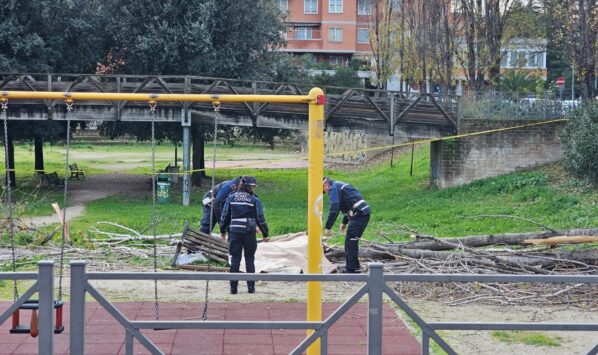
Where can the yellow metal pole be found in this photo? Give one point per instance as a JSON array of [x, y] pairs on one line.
[[314, 209], [113, 96]]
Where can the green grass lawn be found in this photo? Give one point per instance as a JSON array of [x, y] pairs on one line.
[[527, 338], [93, 158], [545, 195]]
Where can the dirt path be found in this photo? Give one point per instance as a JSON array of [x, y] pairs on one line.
[[94, 188]]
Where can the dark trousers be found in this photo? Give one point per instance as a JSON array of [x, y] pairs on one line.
[[246, 243], [205, 219], [355, 230]]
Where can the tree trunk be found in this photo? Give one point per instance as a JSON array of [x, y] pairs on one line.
[[198, 156], [11, 163], [38, 142]]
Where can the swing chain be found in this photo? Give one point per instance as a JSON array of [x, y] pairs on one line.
[[216, 106], [153, 105], [69, 109], [9, 205]]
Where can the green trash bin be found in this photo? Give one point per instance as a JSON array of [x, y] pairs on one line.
[[163, 188]]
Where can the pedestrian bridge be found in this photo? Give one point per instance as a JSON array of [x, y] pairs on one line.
[[347, 109]]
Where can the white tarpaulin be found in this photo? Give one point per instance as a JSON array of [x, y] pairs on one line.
[[285, 254]]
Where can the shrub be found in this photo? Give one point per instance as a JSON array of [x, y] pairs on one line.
[[580, 142]]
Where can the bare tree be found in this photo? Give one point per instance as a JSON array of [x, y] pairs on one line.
[[483, 24], [574, 23], [383, 24], [427, 41]]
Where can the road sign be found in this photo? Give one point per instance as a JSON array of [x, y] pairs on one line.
[[560, 81]]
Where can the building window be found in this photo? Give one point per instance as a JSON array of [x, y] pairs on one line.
[[513, 57], [335, 34], [335, 6], [364, 7], [303, 33], [504, 59], [363, 35], [540, 60], [532, 60], [310, 6], [337, 60], [283, 5]]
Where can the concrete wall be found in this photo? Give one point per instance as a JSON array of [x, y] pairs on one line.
[[354, 144], [459, 161]]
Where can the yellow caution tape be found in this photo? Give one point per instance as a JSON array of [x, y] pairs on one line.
[[348, 152]]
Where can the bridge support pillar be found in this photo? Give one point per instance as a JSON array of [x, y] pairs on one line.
[[186, 123]]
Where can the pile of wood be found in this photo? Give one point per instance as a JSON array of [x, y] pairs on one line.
[[516, 253]]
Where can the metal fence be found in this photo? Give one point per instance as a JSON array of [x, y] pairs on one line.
[[515, 106], [374, 286], [44, 286]]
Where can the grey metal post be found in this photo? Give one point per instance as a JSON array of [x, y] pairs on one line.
[[46, 307], [375, 287], [77, 339], [128, 343], [186, 120], [425, 343], [459, 93], [324, 343]]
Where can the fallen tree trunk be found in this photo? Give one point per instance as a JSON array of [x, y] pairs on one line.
[[490, 239], [563, 240]]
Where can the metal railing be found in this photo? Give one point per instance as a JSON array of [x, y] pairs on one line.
[[44, 286], [497, 105], [375, 286]]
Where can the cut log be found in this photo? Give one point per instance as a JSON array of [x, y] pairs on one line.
[[204, 268], [563, 240], [490, 239]]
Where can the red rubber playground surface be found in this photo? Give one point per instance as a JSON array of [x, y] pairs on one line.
[[105, 336]]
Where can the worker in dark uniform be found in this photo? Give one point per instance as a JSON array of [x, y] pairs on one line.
[[356, 213], [242, 215], [216, 197]]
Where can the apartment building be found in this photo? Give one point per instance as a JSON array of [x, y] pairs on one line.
[[333, 31]]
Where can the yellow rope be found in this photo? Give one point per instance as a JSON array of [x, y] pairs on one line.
[[348, 152]]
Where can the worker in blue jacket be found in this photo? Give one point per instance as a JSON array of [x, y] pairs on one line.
[[216, 197], [242, 215], [356, 213]]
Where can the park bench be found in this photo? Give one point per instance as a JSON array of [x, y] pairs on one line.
[[75, 172], [53, 179], [193, 241]]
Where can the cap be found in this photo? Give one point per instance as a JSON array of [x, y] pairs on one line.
[[326, 179], [250, 180]]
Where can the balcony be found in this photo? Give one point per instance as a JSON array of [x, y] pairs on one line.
[[304, 35]]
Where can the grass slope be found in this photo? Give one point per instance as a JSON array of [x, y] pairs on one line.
[[545, 195]]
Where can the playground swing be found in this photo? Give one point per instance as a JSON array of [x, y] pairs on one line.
[[33, 304], [153, 105]]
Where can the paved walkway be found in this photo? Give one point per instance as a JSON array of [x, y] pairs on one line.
[[105, 336]]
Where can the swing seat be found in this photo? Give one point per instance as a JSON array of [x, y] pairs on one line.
[[33, 305]]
